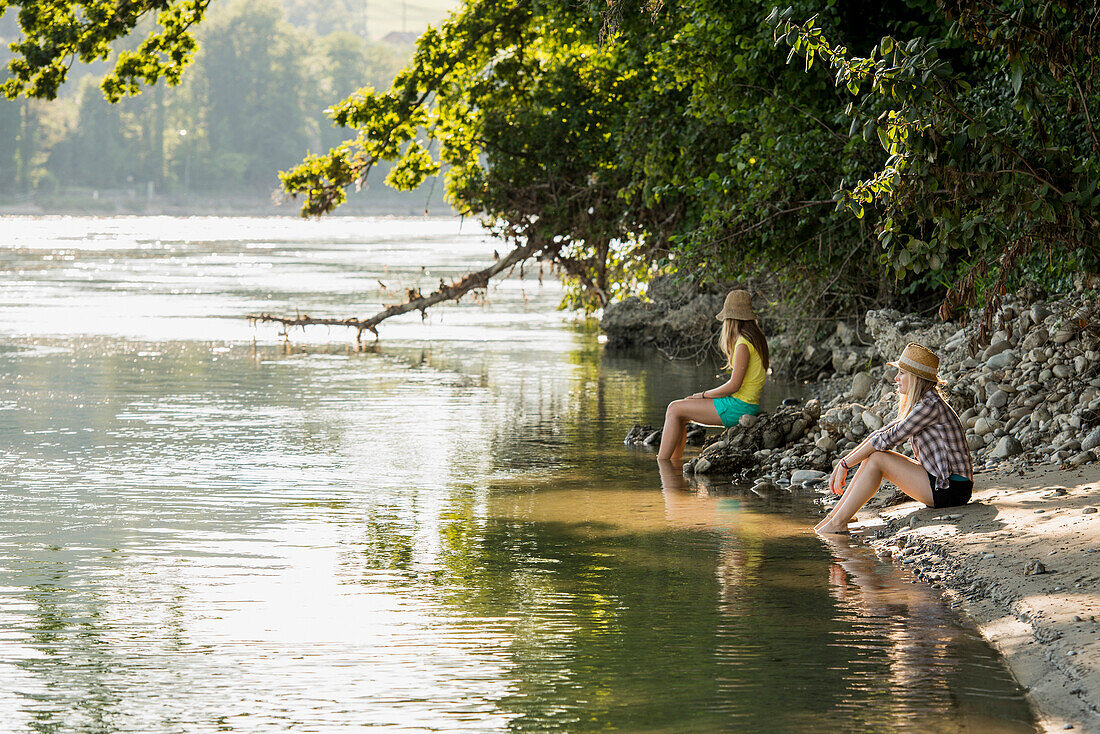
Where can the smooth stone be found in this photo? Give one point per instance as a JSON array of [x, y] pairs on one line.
[[861, 386], [1082, 458], [975, 442], [1061, 371], [1036, 338], [702, 466], [826, 444], [996, 348], [1007, 358], [1064, 335], [998, 399], [748, 421], [983, 426], [1092, 440], [1089, 511], [1006, 447], [872, 421], [801, 476], [1080, 364]]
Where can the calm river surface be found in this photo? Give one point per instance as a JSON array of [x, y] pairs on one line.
[[203, 530]]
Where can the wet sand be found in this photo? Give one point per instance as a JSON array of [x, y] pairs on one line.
[[1044, 619]]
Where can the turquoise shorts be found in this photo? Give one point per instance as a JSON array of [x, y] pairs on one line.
[[730, 410]]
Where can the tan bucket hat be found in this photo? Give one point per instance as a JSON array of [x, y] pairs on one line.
[[738, 305], [919, 361]]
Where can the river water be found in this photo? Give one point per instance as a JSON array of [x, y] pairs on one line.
[[206, 528]]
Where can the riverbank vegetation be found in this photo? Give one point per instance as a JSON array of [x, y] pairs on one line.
[[916, 153], [909, 153]]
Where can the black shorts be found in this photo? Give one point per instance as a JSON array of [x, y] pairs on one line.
[[957, 493]]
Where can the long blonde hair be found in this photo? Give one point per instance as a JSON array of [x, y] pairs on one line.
[[918, 388], [734, 328]]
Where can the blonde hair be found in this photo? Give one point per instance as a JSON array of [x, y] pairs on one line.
[[734, 328], [918, 388]]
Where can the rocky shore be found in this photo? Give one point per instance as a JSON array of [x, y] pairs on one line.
[[1023, 559], [1030, 397]]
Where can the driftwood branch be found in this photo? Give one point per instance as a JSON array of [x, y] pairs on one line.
[[416, 302]]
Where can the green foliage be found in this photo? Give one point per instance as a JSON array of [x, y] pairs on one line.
[[986, 121], [54, 33]]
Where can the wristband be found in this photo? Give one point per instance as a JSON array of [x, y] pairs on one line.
[[845, 465], [703, 394]]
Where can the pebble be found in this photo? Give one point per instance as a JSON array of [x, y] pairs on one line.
[[1034, 568], [1088, 511]]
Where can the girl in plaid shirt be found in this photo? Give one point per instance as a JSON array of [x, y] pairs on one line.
[[940, 474]]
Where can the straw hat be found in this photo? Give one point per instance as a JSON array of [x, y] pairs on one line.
[[919, 361], [738, 305]]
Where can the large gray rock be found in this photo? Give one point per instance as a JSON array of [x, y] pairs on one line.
[[996, 348], [1035, 338], [1092, 440], [734, 450], [998, 399], [862, 384], [802, 476], [1066, 334], [1006, 447], [1004, 360], [871, 421]]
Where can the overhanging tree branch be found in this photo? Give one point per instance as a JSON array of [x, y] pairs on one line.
[[416, 302]]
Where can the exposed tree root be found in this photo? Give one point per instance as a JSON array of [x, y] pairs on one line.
[[417, 301]]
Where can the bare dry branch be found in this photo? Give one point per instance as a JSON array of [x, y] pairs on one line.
[[416, 302]]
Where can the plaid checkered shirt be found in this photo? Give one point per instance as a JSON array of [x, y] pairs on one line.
[[936, 435]]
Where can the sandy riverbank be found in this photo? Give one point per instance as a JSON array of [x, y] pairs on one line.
[[983, 555]]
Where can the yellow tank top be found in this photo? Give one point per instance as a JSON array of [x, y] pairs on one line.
[[753, 382]]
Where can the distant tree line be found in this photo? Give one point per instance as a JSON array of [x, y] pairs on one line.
[[251, 104]]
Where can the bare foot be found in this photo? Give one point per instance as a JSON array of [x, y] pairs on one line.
[[831, 529]]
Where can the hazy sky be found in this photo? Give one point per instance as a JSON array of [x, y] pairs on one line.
[[384, 16]]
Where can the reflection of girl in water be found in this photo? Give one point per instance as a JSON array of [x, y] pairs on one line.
[[939, 475], [746, 350]]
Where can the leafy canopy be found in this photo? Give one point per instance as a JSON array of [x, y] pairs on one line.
[[57, 32]]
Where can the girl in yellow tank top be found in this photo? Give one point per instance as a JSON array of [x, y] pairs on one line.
[[746, 350]]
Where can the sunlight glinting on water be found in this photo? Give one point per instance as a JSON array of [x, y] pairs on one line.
[[202, 528]]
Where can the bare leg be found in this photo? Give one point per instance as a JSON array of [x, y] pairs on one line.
[[909, 476], [677, 415], [672, 475]]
